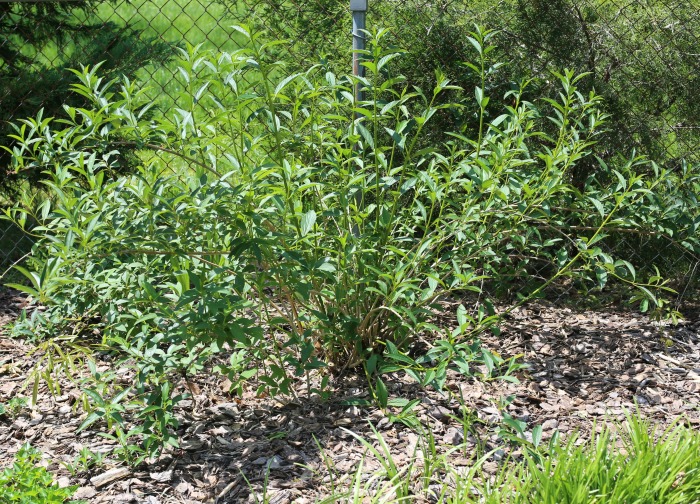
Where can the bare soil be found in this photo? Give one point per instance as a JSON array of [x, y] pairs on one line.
[[586, 368]]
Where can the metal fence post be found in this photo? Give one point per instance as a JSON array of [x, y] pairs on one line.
[[358, 8], [359, 15]]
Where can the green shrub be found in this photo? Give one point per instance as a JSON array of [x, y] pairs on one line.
[[639, 59], [26, 483], [304, 234]]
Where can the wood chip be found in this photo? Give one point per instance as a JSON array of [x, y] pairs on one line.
[[108, 477]]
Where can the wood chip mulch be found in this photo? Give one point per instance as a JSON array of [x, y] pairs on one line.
[[586, 368]]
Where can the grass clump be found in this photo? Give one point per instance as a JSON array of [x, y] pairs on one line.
[[628, 462], [633, 463]]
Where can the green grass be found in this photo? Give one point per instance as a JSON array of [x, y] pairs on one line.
[[632, 463], [177, 22], [193, 21], [628, 462]]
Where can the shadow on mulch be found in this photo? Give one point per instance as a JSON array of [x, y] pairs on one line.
[[589, 358], [290, 449]]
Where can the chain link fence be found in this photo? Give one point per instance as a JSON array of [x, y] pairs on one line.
[[41, 40], [643, 57]]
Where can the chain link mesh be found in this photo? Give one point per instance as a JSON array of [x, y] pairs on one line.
[[643, 57]]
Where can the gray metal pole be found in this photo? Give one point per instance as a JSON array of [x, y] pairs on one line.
[[359, 15]]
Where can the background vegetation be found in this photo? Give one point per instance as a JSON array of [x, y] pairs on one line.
[[42, 41], [639, 57]]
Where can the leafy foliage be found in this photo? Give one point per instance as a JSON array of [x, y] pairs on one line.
[[274, 218], [27, 483], [13, 407], [33, 74], [639, 57]]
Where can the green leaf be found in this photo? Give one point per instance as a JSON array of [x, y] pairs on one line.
[[23, 288], [537, 435], [381, 393], [601, 275], [283, 83], [461, 316], [398, 139], [372, 363], [398, 402], [366, 135], [598, 205], [326, 266], [91, 419], [307, 222], [242, 29]]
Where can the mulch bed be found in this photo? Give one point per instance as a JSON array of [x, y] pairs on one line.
[[585, 368]]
